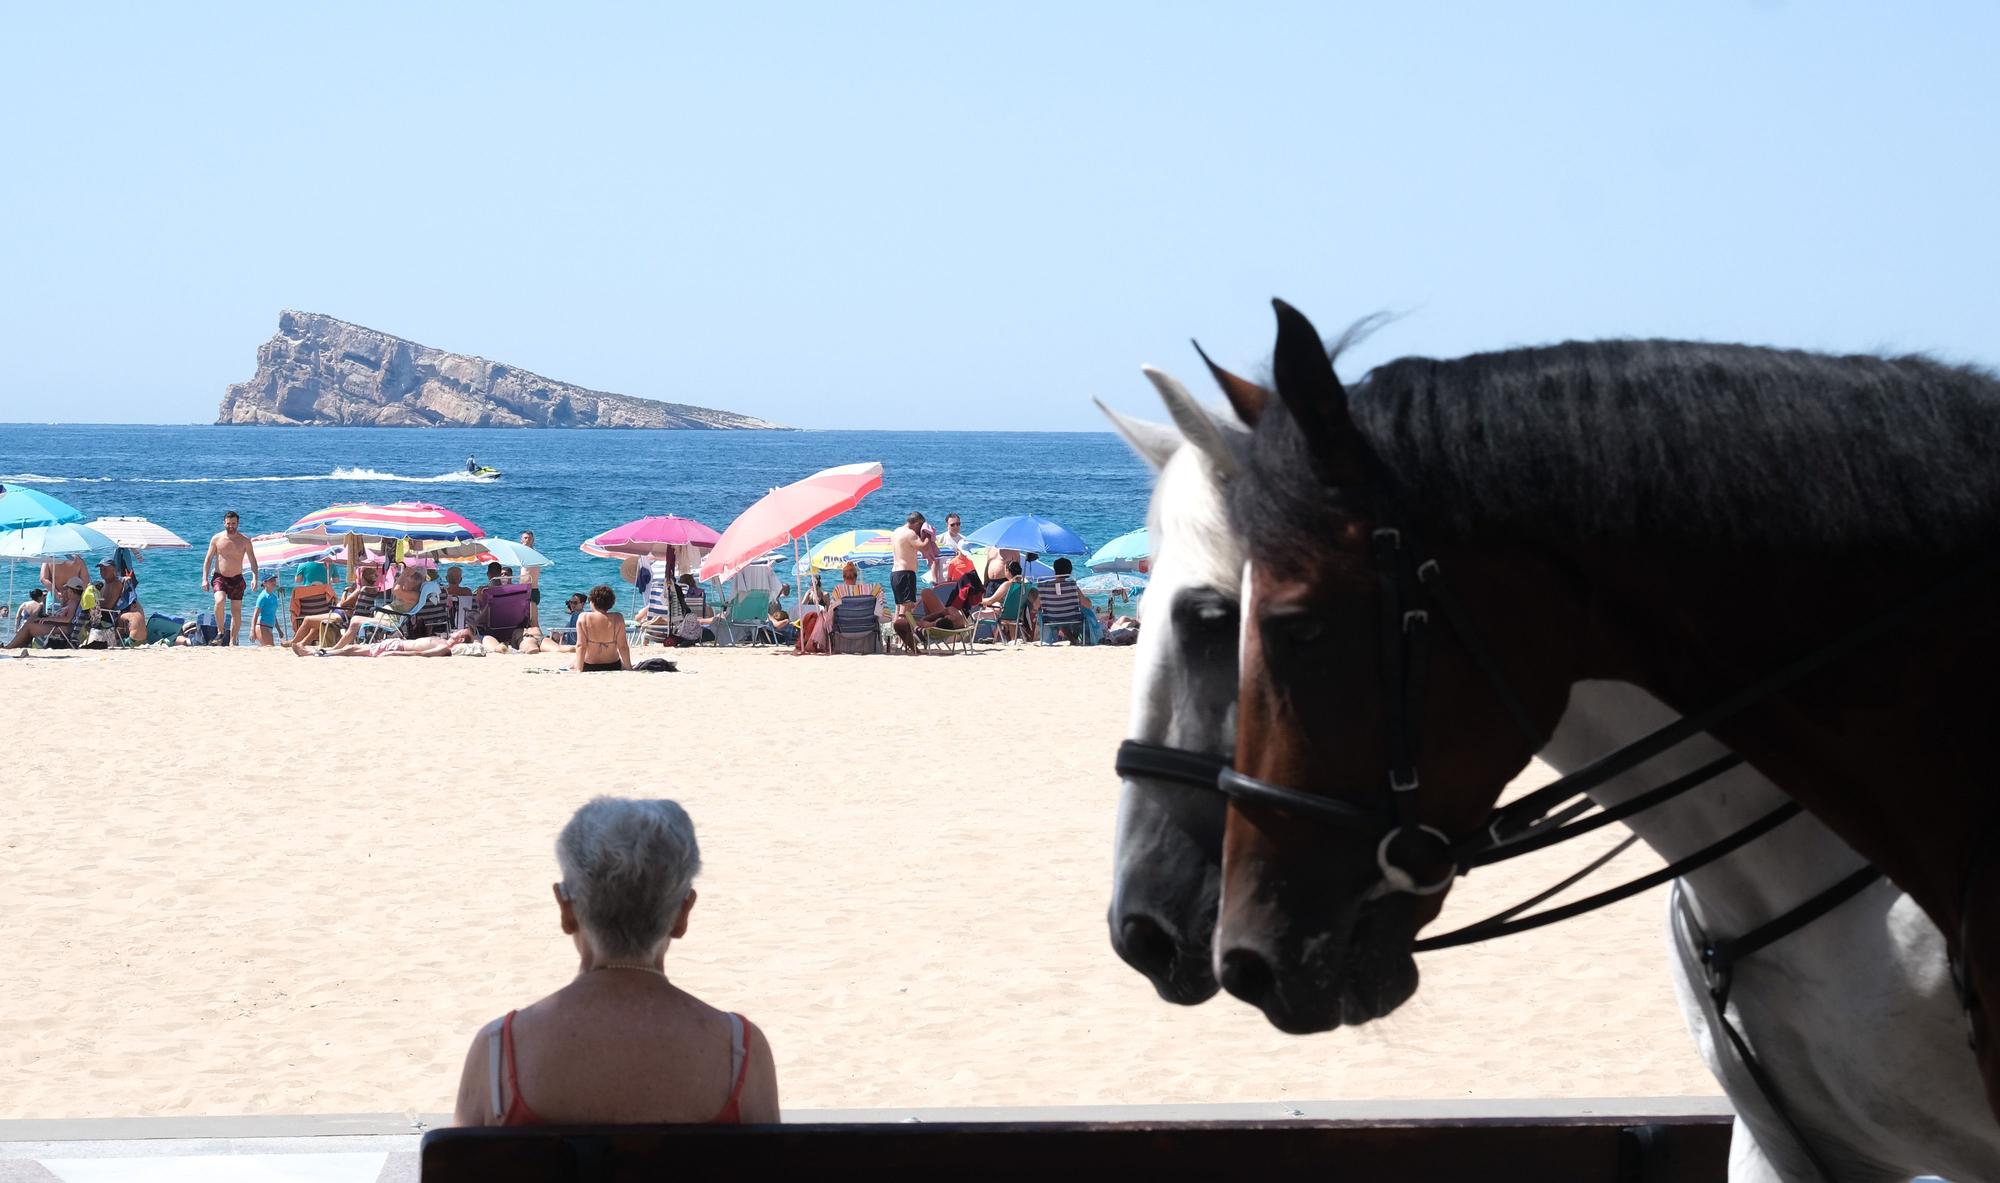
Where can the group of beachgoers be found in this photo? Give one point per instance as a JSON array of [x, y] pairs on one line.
[[392, 582]]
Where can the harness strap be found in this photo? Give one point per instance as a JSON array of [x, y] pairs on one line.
[[1333, 810], [1502, 925], [1722, 956], [1718, 959]]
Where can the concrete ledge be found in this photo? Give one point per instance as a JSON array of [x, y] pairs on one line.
[[331, 1133]]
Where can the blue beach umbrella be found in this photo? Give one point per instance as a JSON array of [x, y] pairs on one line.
[[21, 508], [1028, 532], [1127, 552]]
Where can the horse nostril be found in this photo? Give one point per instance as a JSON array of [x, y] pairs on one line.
[[1247, 975], [1146, 945]]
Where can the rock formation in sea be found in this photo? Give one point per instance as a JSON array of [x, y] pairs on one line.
[[319, 371]]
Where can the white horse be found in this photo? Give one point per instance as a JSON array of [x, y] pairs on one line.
[[1852, 1017]]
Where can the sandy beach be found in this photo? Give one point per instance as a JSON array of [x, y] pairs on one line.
[[244, 882]]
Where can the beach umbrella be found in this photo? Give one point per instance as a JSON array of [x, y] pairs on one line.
[[400, 519], [480, 551], [49, 542], [850, 546], [641, 536], [275, 551], [20, 508], [135, 533], [1127, 552], [1028, 532], [784, 515]]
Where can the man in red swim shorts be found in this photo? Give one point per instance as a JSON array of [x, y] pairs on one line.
[[222, 572]]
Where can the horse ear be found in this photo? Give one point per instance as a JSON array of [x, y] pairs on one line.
[[1155, 443], [1312, 392], [1196, 424], [1244, 395]]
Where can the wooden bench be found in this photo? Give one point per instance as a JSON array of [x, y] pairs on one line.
[[1547, 1150]]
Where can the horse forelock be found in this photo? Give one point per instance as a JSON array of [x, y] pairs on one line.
[[1190, 526]]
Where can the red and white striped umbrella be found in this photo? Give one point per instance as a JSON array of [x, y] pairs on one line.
[[275, 550], [401, 519], [784, 515]]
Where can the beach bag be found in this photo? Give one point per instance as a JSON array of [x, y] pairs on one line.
[[163, 628]]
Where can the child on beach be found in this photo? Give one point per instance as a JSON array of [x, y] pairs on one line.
[[264, 613]]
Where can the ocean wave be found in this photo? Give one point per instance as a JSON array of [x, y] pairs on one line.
[[338, 474]]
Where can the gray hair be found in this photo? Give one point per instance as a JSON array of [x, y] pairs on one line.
[[626, 867]]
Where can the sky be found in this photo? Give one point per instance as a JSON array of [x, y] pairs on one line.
[[961, 216]]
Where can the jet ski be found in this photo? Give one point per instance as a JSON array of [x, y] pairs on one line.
[[485, 472]]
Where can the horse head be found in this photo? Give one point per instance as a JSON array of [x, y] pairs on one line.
[[1354, 692], [1168, 857]]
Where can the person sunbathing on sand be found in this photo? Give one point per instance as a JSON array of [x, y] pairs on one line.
[[449, 645], [621, 1043]]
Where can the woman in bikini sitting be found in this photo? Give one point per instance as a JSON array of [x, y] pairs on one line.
[[600, 635], [620, 1043]]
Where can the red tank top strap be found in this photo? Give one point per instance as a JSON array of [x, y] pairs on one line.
[[739, 1047], [517, 1112]]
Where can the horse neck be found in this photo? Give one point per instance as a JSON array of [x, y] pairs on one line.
[[1886, 745], [1734, 893]]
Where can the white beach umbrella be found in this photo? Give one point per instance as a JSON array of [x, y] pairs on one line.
[[136, 533]]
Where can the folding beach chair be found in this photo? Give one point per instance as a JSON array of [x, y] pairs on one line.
[[388, 621], [1006, 625], [506, 612], [1062, 611], [746, 612], [857, 622], [312, 599], [70, 636], [930, 603]]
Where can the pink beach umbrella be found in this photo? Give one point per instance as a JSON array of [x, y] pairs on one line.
[[401, 519], [784, 515], [275, 550], [640, 537]]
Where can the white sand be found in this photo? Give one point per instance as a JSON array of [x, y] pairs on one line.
[[244, 882]]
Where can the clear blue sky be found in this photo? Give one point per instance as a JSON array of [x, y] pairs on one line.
[[924, 215]]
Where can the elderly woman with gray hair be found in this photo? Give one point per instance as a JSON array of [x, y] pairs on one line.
[[621, 1043]]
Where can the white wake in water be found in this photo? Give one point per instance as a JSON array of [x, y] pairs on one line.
[[338, 474]]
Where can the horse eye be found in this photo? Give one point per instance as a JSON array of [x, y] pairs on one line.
[[1295, 630]]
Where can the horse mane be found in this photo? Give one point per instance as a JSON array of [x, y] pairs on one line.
[[1662, 442]]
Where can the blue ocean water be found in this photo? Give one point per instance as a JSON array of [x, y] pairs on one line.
[[564, 485]]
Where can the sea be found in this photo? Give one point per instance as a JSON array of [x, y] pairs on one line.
[[564, 485]]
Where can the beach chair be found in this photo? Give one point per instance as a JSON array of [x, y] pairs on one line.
[[1006, 625], [506, 612], [857, 623], [425, 613], [71, 635], [746, 611], [312, 599], [1062, 611], [931, 602]]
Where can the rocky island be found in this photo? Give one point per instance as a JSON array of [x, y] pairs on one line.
[[319, 371]]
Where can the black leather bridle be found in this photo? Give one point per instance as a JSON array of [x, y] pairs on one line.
[[1412, 584]]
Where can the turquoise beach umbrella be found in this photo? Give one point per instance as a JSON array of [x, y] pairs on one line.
[[1127, 552], [48, 542], [21, 508]]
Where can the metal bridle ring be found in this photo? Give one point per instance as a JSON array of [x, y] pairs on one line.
[[1397, 879]]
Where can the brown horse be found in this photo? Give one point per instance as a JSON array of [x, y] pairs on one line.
[[1438, 555]]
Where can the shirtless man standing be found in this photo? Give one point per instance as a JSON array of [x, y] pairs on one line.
[[906, 541], [222, 572]]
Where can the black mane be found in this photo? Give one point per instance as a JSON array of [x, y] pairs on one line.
[[1663, 442]]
